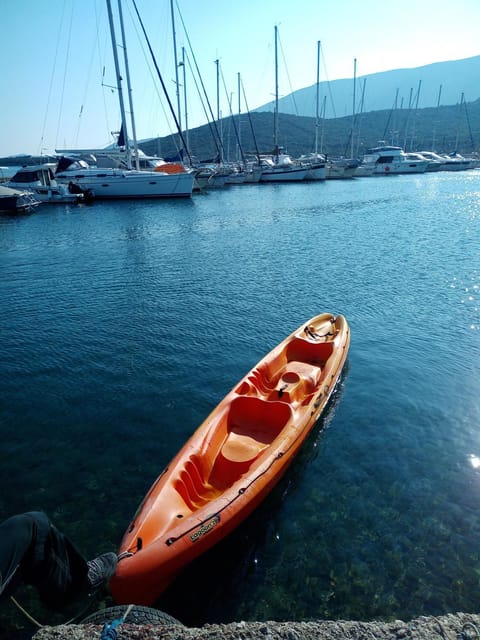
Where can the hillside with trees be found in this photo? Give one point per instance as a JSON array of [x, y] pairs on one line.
[[445, 129]]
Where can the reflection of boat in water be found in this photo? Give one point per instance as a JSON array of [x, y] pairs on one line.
[[233, 460], [16, 201], [40, 180]]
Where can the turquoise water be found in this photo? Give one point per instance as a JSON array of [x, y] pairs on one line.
[[123, 324]]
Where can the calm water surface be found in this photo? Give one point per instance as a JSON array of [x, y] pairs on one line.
[[123, 324]]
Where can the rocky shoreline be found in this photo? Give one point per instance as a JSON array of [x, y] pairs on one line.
[[458, 626]]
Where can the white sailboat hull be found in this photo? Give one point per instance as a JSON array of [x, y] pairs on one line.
[[317, 173], [282, 174], [116, 183]]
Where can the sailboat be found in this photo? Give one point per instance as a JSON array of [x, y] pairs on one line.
[[340, 168], [317, 169], [129, 182], [280, 167]]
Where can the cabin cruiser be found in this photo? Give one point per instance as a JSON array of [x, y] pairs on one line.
[[16, 200], [392, 160], [435, 162], [123, 183], [40, 180], [456, 162]]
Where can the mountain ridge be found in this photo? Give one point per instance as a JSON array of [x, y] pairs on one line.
[[449, 80]]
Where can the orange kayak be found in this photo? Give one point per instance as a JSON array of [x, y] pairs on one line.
[[232, 461]]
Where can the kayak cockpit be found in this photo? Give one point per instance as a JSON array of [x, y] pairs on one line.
[[250, 426]]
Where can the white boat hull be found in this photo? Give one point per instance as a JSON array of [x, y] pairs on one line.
[[40, 180], [456, 165], [364, 170], [116, 183], [317, 173], [395, 168], [283, 174], [52, 195]]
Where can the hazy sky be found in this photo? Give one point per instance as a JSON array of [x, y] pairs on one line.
[[57, 63]]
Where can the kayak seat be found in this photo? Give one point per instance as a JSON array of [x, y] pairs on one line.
[[253, 424], [257, 418], [311, 352]]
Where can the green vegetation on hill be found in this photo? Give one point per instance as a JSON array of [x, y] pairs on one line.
[[444, 129]]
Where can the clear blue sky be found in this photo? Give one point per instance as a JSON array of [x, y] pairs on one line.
[[56, 54]]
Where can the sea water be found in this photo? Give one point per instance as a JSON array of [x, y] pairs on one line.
[[123, 324]]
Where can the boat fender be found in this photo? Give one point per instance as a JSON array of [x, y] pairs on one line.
[[74, 188], [88, 195], [387, 169]]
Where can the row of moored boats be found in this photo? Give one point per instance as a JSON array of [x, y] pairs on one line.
[[76, 179]]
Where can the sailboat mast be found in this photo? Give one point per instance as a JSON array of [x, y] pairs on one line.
[[462, 98], [129, 85], [119, 85], [353, 109], [239, 121], [219, 122], [185, 97], [177, 86], [362, 102], [275, 114], [324, 111], [434, 123], [317, 98]]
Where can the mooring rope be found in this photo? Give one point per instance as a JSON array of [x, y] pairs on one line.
[[25, 613], [39, 624]]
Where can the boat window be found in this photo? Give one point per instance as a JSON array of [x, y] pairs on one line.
[[25, 176], [43, 177], [385, 159]]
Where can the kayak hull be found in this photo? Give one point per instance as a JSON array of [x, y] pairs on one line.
[[233, 460]]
